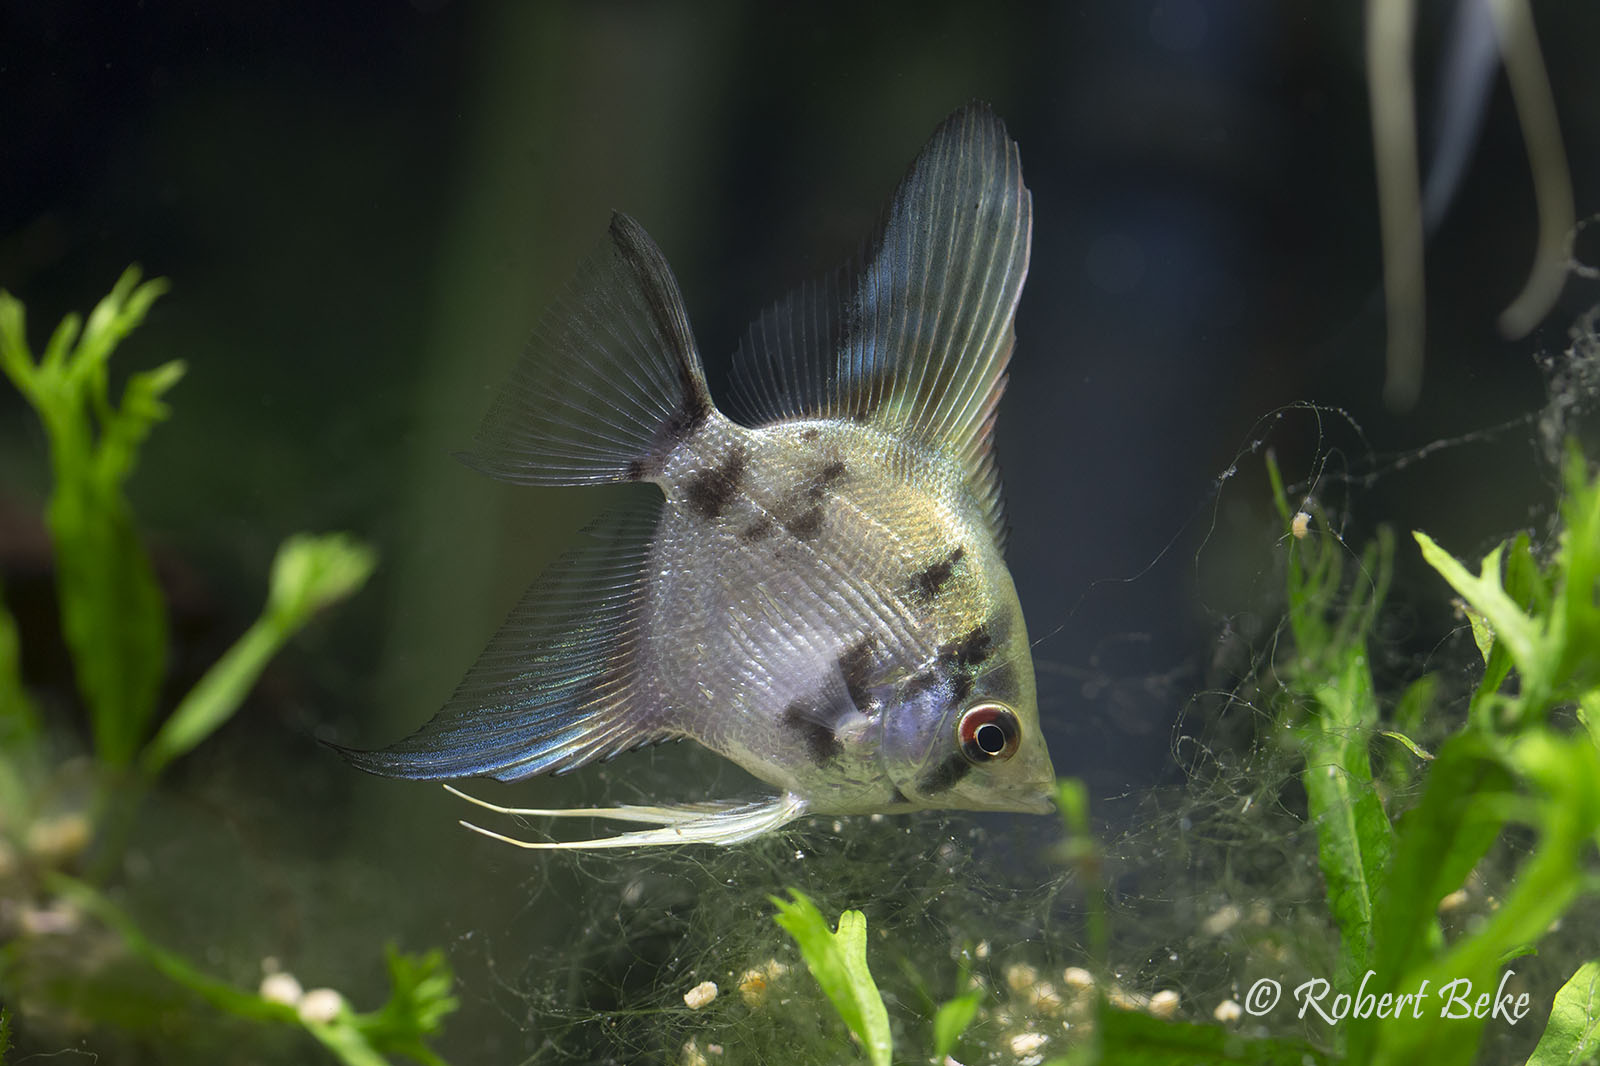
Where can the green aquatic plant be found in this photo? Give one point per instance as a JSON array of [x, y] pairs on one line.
[[1507, 766], [1113, 1033], [838, 960], [112, 612], [418, 1001], [1385, 876], [1386, 866], [114, 621], [1573, 1033]]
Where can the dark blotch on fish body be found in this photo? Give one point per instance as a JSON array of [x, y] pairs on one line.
[[803, 515], [820, 740], [855, 662], [931, 580], [943, 776], [710, 491], [807, 525], [971, 649], [760, 529]]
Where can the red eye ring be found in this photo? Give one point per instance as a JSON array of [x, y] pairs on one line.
[[988, 732]]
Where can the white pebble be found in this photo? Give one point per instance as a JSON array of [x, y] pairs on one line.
[[1020, 976], [1228, 1012], [1027, 1044], [1077, 977], [58, 919], [280, 988], [700, 994], [320, 1005], [61, 837], [1220, 921], [1164, 1004]]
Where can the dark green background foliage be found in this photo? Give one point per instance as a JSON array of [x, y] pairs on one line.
[[362, 208]]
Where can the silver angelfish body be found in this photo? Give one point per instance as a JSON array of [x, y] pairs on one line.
[[815, 590]]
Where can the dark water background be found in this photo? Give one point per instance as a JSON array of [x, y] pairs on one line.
[[363, 207]]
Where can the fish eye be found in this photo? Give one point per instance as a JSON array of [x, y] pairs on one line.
[[988, 731]]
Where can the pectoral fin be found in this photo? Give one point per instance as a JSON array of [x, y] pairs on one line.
[[692, 823]]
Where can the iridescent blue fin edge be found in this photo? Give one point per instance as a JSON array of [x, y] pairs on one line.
[[556, 687]]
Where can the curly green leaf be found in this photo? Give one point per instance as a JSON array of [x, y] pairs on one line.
[[839, 963]]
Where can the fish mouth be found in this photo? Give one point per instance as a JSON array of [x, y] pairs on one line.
[[1043, 803]]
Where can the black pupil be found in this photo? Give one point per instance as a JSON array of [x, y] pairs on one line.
[[990, 738]]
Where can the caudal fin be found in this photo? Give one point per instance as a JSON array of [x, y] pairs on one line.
[[610, 381]]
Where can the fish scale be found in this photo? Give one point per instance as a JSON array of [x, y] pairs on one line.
[[816, 591]]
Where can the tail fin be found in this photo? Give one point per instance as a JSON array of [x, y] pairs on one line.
[[610, 381]]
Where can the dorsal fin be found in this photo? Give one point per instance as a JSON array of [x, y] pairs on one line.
[[610, 380], [913, 334]]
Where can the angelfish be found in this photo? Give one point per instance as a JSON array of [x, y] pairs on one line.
[[815, 591]]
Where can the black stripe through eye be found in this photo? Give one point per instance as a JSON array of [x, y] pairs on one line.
[[943, 776]]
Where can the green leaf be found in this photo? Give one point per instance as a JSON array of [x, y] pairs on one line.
[[308, 574], [112, 613], [1563, 777], [418, 1003], [839, 963], [951, 1020], [1468, 796], [1410, 745], [1482, 632], [1578, 592], [313, 572], [1354, 837], [1572, 1035], [1589, 713], [1081, 851], [1484, 592], [1328, 672]]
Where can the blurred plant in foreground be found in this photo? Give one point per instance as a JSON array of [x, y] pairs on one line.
[[114, 621]]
